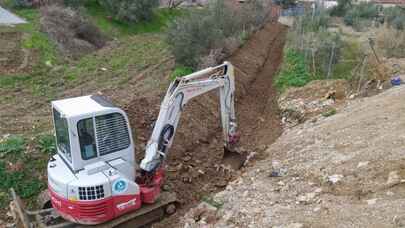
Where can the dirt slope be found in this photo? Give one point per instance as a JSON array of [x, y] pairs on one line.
[[197, 150], [346, 170]]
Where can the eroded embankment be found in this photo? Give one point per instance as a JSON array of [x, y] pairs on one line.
[[192, 167]]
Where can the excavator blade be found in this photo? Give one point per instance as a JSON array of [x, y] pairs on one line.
[[233, 158]]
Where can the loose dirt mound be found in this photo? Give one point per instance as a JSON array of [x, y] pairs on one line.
[[299, 104], [343, 171], [72, 33], [194, 165]]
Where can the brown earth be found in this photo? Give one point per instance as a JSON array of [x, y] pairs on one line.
[[194, 165], [11, 55], [346, 170]]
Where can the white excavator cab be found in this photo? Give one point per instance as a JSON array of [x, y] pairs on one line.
[[91, 129]]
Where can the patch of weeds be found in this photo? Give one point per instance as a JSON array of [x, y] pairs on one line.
[[12, 144], [13, 81], [17, 169], [22, 181], [134, 54], [294, 72], [180, 71], [351, 53], [46, 144], [329, 112], [212, 202], [34, 38], [110, 26]]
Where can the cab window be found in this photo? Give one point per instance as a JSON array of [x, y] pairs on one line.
[[62, 135], [87, 140], [112, 133]]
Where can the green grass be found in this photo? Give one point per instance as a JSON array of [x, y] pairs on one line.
[[120, 64], [116, 28], [34, 38], [13, 81], [138, 50], [22, 179], [44, 54], [180, 71], [294, 71]]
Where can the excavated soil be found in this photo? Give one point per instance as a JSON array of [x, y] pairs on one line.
[[194, 168], [10, 52]]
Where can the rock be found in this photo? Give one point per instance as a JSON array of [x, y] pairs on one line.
[[334, 179], [10, 214], [318, 190], [10, 225], [399, 221], [280, 183], [187, 158], [307, 198], [292, 225], [204, 213], [371, 201], [362, 164], [393, 178]]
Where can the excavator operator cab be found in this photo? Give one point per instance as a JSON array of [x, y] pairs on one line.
[[90, 129]]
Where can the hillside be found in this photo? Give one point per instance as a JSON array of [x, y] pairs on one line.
[[346, 170]]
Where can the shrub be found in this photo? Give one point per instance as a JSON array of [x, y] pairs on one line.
[[194, 35], [309, 23], [294, 71], [21, 181], [73, 3], [130, 10], [46, 144], [342, 7], [22, 3], [395, 17], [180, 71], [359, 14], [309, 36]]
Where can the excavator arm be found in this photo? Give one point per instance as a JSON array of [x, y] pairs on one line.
[[180, 92]]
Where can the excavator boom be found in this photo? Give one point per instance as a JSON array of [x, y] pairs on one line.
[[180, 92]]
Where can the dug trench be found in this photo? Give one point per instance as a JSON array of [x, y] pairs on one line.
[[193, 169]]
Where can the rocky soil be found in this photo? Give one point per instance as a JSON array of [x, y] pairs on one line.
[[346, 170]]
